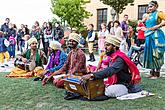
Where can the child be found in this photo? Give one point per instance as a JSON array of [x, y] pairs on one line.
[[12, 42], [3, 49]]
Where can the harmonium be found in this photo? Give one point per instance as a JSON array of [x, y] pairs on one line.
[[88, 88]]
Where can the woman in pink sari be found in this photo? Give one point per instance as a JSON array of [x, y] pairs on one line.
[[103, 63]]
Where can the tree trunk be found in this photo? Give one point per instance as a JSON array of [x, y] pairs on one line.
[[117, 16]]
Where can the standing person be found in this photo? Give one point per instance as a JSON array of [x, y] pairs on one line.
[[124, 26], [154, 41], [58, 32], [140, 36], [5, 28], [118, 32], [38, 31], [3, 49], [91, 39], [101, 38], [75, 63], [127, 73], [141, 23], [48, 36], [110, 27], [20, 41], [44, 26], [12, 40]]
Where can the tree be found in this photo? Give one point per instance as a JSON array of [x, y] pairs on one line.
[[71, 11], [117, 5]]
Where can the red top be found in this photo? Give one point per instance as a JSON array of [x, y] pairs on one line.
[[140, 32]]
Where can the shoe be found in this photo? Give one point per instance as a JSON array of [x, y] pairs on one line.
[[37, 79], [153, 77], [90, 58], [6, 65], [93, 60], [70, 96], [157, 74], [2, 66], [149, 76]]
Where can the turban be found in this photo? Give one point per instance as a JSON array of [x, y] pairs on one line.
[[113, 40], [55, 45], [75, 37], [31, 40]]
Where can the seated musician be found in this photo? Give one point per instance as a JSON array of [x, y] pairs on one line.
[[74, 65], [30, 55], [127, 73], [56, 61]]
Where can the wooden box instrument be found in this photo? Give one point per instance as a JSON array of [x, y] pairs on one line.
[[88, 89]]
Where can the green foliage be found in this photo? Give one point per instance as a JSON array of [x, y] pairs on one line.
[[117, 5], [71, 11]]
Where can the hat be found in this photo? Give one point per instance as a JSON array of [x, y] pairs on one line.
[[31, 40], [55, 45], [75, 37], [113, 40]]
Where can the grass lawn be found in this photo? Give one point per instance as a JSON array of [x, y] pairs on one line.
[[25, 94]]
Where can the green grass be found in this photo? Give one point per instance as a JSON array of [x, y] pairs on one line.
[[25, 94]]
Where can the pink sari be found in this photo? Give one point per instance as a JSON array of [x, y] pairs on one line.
[[104, 64]]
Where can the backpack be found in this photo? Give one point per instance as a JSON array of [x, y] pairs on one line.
[[12, 40]]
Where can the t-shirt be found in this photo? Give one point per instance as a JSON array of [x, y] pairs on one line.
[[140, 32]]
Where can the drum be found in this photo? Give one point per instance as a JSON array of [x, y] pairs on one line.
[[88, 89], [29, 66]]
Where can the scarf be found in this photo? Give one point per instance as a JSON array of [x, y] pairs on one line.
[[132, 67], [54, 60]]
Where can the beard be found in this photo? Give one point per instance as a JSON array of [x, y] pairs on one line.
[[72, 46], [108, 53]]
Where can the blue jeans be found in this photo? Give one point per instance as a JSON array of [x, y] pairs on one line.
[[11, 50], [132, 49]]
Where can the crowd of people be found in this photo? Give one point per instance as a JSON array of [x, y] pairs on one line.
[[122, 74]]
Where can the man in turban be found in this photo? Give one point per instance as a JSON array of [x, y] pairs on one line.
[[127, 74], [34, 55], [75, 63]]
